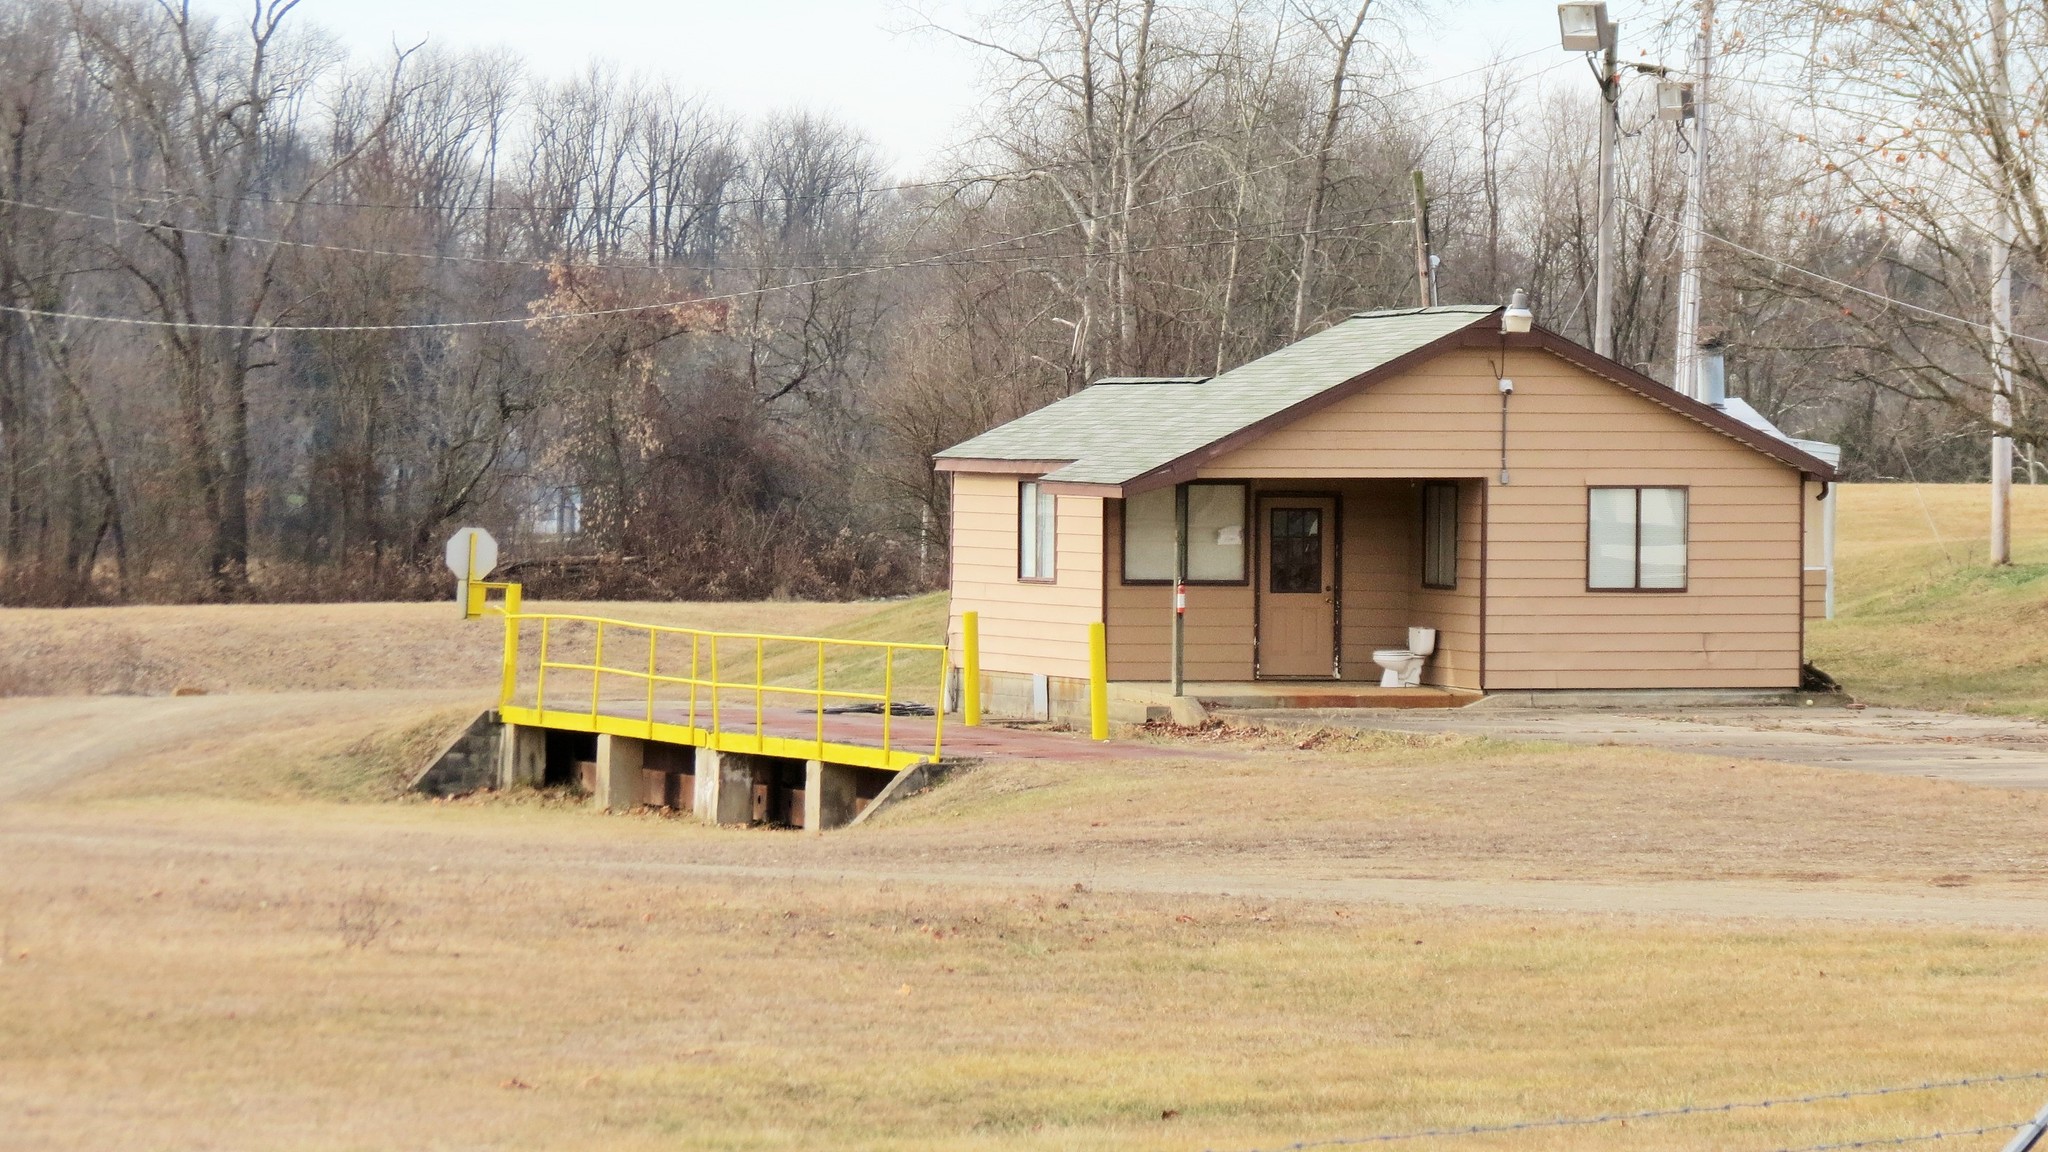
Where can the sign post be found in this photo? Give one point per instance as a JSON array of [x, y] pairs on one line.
[[471, 555]]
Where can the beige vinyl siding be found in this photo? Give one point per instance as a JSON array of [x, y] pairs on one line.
[[1738, 624], [1026, 626], [1816, 593]]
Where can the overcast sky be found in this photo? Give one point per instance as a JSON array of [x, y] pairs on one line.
[[862, 59]]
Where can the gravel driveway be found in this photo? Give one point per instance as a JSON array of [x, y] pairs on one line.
[[1989, 750]]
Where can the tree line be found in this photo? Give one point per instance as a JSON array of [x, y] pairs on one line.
[[275, 320]]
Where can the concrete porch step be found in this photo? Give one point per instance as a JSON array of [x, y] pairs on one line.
[[1139, 702]]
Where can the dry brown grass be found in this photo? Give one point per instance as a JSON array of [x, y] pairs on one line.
[[1923, 621], [479, 978], [154, 650], [1399, 804]]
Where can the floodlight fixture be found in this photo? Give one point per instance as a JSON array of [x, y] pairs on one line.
[[1583, 27], [1517, 317], [1674, 100]]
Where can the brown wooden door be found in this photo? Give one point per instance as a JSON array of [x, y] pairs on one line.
[[1298, 586]]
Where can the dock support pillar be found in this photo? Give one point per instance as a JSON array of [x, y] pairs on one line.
[[829, 794], [725, 787], [522, 756], [619, 759]]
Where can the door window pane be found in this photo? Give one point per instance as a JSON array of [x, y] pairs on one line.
[[1661, 559], [1611, 538], [1216, 532], [1148, 535], [1440, 535], [1295, 546]]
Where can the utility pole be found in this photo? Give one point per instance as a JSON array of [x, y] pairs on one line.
[[1583, 26], [1685, 366], [2001, 312], [1425, 276], [1610, 143]]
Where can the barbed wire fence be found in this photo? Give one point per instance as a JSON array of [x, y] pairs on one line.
[[2026, 1139]]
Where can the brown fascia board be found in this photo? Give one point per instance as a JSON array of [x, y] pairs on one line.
[[1485, 333], [1000, 467]]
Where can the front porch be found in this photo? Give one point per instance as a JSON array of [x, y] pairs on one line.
[[1136, 703], [1293, 584]]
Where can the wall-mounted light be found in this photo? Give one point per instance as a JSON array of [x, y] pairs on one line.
[[1583, 27], [1517, 317]]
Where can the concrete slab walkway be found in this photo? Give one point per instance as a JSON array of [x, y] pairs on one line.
[[1994, 751]]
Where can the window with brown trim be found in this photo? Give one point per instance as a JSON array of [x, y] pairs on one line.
[[1636, 539], [1214, 513], [1037, 531], [1440, 535]]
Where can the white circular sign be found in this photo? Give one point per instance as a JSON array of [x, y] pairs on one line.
[[472, 544]]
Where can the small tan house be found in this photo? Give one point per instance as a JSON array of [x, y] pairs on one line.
[[1559, 519]]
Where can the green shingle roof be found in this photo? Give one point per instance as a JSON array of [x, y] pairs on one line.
[[1119, 429]]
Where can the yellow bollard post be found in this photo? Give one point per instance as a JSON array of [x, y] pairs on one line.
[[970, 668], [1098, 682], [508, 682]]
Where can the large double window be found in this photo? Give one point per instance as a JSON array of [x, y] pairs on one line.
[[1215, 518], [1636, 539], [1037, 531]]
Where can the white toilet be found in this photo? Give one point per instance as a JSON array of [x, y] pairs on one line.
[[1404, 665]]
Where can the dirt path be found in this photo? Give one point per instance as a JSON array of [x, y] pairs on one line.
[[421, 843], [1987, 750], [53, 740], [60, 739]]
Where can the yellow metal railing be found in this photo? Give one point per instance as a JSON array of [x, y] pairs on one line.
[[718, 688]]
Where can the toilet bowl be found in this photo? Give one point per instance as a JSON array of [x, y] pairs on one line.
[[1404, 665]]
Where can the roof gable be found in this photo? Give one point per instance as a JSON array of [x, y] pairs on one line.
[[1117, 430], [1129, 435]]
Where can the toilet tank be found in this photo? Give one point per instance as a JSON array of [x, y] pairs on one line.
[[1422, 641]]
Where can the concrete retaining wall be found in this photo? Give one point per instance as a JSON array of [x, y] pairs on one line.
[[467, 763]]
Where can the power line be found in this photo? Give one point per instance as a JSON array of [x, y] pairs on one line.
[[1826, 279], [634, 202], [1664, 1113], [843, 258], [449, 325]]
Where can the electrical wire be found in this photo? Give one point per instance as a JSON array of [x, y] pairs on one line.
[[843, 258], [1930, 313], [951, 183], [690, 302], [941, 259]]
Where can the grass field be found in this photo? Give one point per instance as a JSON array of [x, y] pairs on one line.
[[235, 931], [1922, 619], [434, 977]]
